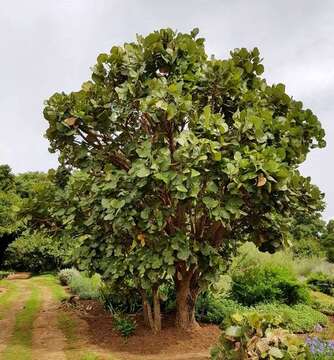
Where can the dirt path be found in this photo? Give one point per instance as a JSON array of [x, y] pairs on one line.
[[48, 340], [7, 322], [61, 332]]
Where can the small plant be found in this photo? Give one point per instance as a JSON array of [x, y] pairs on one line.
[[4, 274], [299, 318], [319, 349], [321, 282], [120, 299], [267, 283], [88, 288], [323, 303], [255, 336], [65, 276], [210, 309], [124, 324]]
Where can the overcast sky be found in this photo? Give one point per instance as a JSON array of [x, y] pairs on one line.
[[48, 46]]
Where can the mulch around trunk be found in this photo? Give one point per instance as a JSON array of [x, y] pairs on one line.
[[170, 341]]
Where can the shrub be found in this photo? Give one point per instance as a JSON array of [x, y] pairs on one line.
[[210, 309], [321, 282], [120, 299], [308, 247], [35, 252], [124, 324], [65, 275], [250, 256], [267, 283], [4, 274], [322, 302], [87, 288], [299, 318], [257, 336]]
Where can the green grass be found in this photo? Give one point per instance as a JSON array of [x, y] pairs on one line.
[[322, 302], [19, 346], [66, 323], [8, 297], [50, 281], [68, 326], [91, 356]]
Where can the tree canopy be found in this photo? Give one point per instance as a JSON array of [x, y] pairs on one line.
[[180, 154]]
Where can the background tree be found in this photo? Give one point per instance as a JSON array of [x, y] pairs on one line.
[[182, 152], [328, 241], [9, 207]]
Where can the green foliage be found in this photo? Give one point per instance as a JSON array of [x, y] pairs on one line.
[[213, 310], [7, 179], [322, 302], [4, 274], [305, 248], [328, 241], [299, 318], [86, 287], [178, 152], [321, 282], [124, 324], [267, 283], [257, 336], [36, 252], [9, 208], [65, 275], [307, 230], [124, 299]]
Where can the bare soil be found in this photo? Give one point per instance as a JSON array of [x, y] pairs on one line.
[[95, 332], [7, 321], [171, 343], [19, 276], [48, 340]]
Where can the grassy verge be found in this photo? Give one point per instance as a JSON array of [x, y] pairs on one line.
[[50, 281], [7, 298], [19, 346], [67, 323]]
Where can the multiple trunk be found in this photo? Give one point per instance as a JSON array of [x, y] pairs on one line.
[[152, 318], [187, 291]]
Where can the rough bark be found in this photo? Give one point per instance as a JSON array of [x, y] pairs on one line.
[[152, 319], [187, 291], [156, 309]]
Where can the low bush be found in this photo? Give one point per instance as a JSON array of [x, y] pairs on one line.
[[322, 302], [65, 275], [213, 310], [120, 299], [299, 318], [4, 274], [87, 288], [321, 282], [35, 252], [124, 324], [267, 283], [257, 336]]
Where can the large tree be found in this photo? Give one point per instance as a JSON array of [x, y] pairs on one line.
[[9, 207], [180, 152]]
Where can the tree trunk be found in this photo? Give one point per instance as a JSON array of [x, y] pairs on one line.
[[152, 319], [147, 310], [156, 310], [187, 291]]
